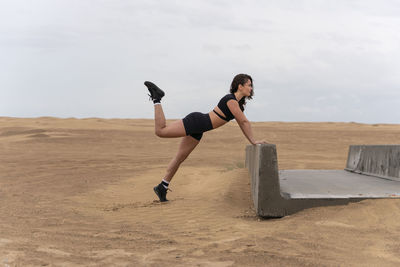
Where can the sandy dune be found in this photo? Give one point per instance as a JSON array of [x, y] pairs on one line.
[[79, 193]]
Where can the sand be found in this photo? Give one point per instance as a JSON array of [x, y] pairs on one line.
[[78, 192]]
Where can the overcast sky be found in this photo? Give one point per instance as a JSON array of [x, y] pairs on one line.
[[310, 60]]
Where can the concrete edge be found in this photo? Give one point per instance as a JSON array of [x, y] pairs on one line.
[[381, 161]]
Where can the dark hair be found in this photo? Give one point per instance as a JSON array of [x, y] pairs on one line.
[[241, 79]]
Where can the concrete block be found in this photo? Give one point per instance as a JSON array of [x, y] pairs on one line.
[[279, 193]]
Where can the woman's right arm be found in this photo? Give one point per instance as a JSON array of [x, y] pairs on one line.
[[243, 122], [246, 129]]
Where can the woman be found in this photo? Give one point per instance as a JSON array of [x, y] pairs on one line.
[[191, 127]]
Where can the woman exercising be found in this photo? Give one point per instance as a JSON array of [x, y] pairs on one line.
[[192, 127]]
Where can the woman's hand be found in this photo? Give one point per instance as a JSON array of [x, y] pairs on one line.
[[261, 142]]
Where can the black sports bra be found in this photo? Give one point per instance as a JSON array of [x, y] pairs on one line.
[[224, 107]]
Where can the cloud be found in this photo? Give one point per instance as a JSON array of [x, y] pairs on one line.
[[212, 48], [310, 60]]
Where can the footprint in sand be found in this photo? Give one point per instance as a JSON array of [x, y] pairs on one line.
[[53, 251], [198, 252], [4, 241], [110, 253], [334, 224]]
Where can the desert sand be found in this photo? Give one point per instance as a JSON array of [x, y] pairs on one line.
[[79, 192]]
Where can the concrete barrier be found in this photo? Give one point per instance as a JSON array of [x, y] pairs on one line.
[[279, 193], [376, 160]]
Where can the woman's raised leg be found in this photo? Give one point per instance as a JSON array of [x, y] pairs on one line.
[[174, 129]]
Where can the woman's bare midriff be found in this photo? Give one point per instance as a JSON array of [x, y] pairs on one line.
[[215, 120]]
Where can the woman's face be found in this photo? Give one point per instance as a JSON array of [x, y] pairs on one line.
[[246, 88]]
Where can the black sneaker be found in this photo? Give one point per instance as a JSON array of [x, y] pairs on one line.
[[161, 192], [155, 92]]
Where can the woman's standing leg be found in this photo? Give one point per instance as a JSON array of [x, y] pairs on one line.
[[186, 146]]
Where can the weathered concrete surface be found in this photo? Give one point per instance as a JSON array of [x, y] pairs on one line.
[[277, 194], [309, 184], [376, 160]]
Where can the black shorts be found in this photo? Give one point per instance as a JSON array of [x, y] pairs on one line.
[[196, 123]]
